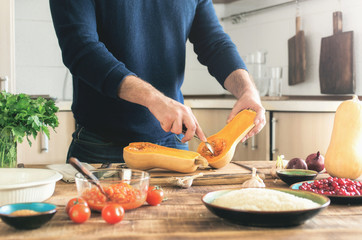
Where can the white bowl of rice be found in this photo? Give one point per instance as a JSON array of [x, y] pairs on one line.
[[265, 207]]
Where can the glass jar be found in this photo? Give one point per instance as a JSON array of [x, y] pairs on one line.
[[275, 82], [260, 73], [8, 157]]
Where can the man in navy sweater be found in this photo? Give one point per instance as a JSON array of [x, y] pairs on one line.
[[127, 58]]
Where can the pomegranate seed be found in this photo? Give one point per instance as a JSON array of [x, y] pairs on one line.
[[334, 186]]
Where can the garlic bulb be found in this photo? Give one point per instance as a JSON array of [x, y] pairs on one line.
[[254, 182], [184, 182]]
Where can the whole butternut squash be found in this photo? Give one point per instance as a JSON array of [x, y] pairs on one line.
[[344, 154], [145, 156], [226, 140]]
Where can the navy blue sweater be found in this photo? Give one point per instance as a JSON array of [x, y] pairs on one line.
[[103, 41]]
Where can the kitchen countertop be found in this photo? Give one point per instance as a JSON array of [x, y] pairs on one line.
[[183, 216], [284, 103], [64, 105]]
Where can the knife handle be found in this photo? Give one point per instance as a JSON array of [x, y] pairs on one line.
[[184, 129]]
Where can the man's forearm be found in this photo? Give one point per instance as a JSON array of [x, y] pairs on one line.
[[243, 88], [239, 82], [135, 90]]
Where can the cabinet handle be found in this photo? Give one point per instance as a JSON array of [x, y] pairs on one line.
[[44, 142], [254, 144], [273, 147], [4, 83]]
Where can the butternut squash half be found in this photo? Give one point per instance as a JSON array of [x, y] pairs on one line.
[[145, 156], [344, 154], [226, 140]]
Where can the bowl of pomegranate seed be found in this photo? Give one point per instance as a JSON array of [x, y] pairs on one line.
[[338, 190]]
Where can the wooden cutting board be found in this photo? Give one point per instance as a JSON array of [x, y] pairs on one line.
[[336, 68], [296, 56], [230, 174]]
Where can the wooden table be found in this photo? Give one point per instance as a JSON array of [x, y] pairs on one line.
[[183, 216]]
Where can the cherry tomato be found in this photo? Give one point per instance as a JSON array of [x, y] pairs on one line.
[[79, 213], [74, 201], [155, 195], [112, 213]]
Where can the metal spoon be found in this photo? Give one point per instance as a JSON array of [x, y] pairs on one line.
[[87, 174], [208, 145]]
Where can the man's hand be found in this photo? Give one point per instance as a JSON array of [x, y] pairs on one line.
[[242, 87], [171, 114]]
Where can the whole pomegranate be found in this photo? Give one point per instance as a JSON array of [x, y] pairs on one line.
[[296, 163], [315, 161]]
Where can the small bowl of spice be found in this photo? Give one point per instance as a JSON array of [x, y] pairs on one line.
[[27, 215]]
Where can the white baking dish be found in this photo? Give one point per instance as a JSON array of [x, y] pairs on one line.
[[26, 184]]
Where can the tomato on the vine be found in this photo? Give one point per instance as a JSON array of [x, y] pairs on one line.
[[155, 195], [112, 213], [79, 213], [74, 201]]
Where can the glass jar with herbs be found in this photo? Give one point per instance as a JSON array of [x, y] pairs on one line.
[[22, 116]]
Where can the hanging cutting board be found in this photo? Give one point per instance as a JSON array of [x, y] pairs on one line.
[[336, 70], [296, 56]]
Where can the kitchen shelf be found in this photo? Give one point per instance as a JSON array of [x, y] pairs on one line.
[[256, 6]]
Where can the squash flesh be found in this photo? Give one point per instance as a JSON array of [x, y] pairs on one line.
[[226, 140], [150, 148], [145, 156]]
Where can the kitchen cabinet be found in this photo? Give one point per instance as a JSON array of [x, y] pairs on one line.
[[57, 145], [298, 134], [213, 120]]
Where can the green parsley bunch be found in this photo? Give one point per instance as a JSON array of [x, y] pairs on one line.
[[23, 116]]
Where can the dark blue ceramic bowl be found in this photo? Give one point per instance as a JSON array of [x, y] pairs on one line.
[[291, 176], [45, 212]]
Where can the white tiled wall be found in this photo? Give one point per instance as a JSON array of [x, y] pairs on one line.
[[197, 79], [270, 30], [39, 68]]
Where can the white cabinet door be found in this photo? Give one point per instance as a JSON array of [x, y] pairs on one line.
[[256, 147], [297, 134], [55, 149], [7, 45]]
